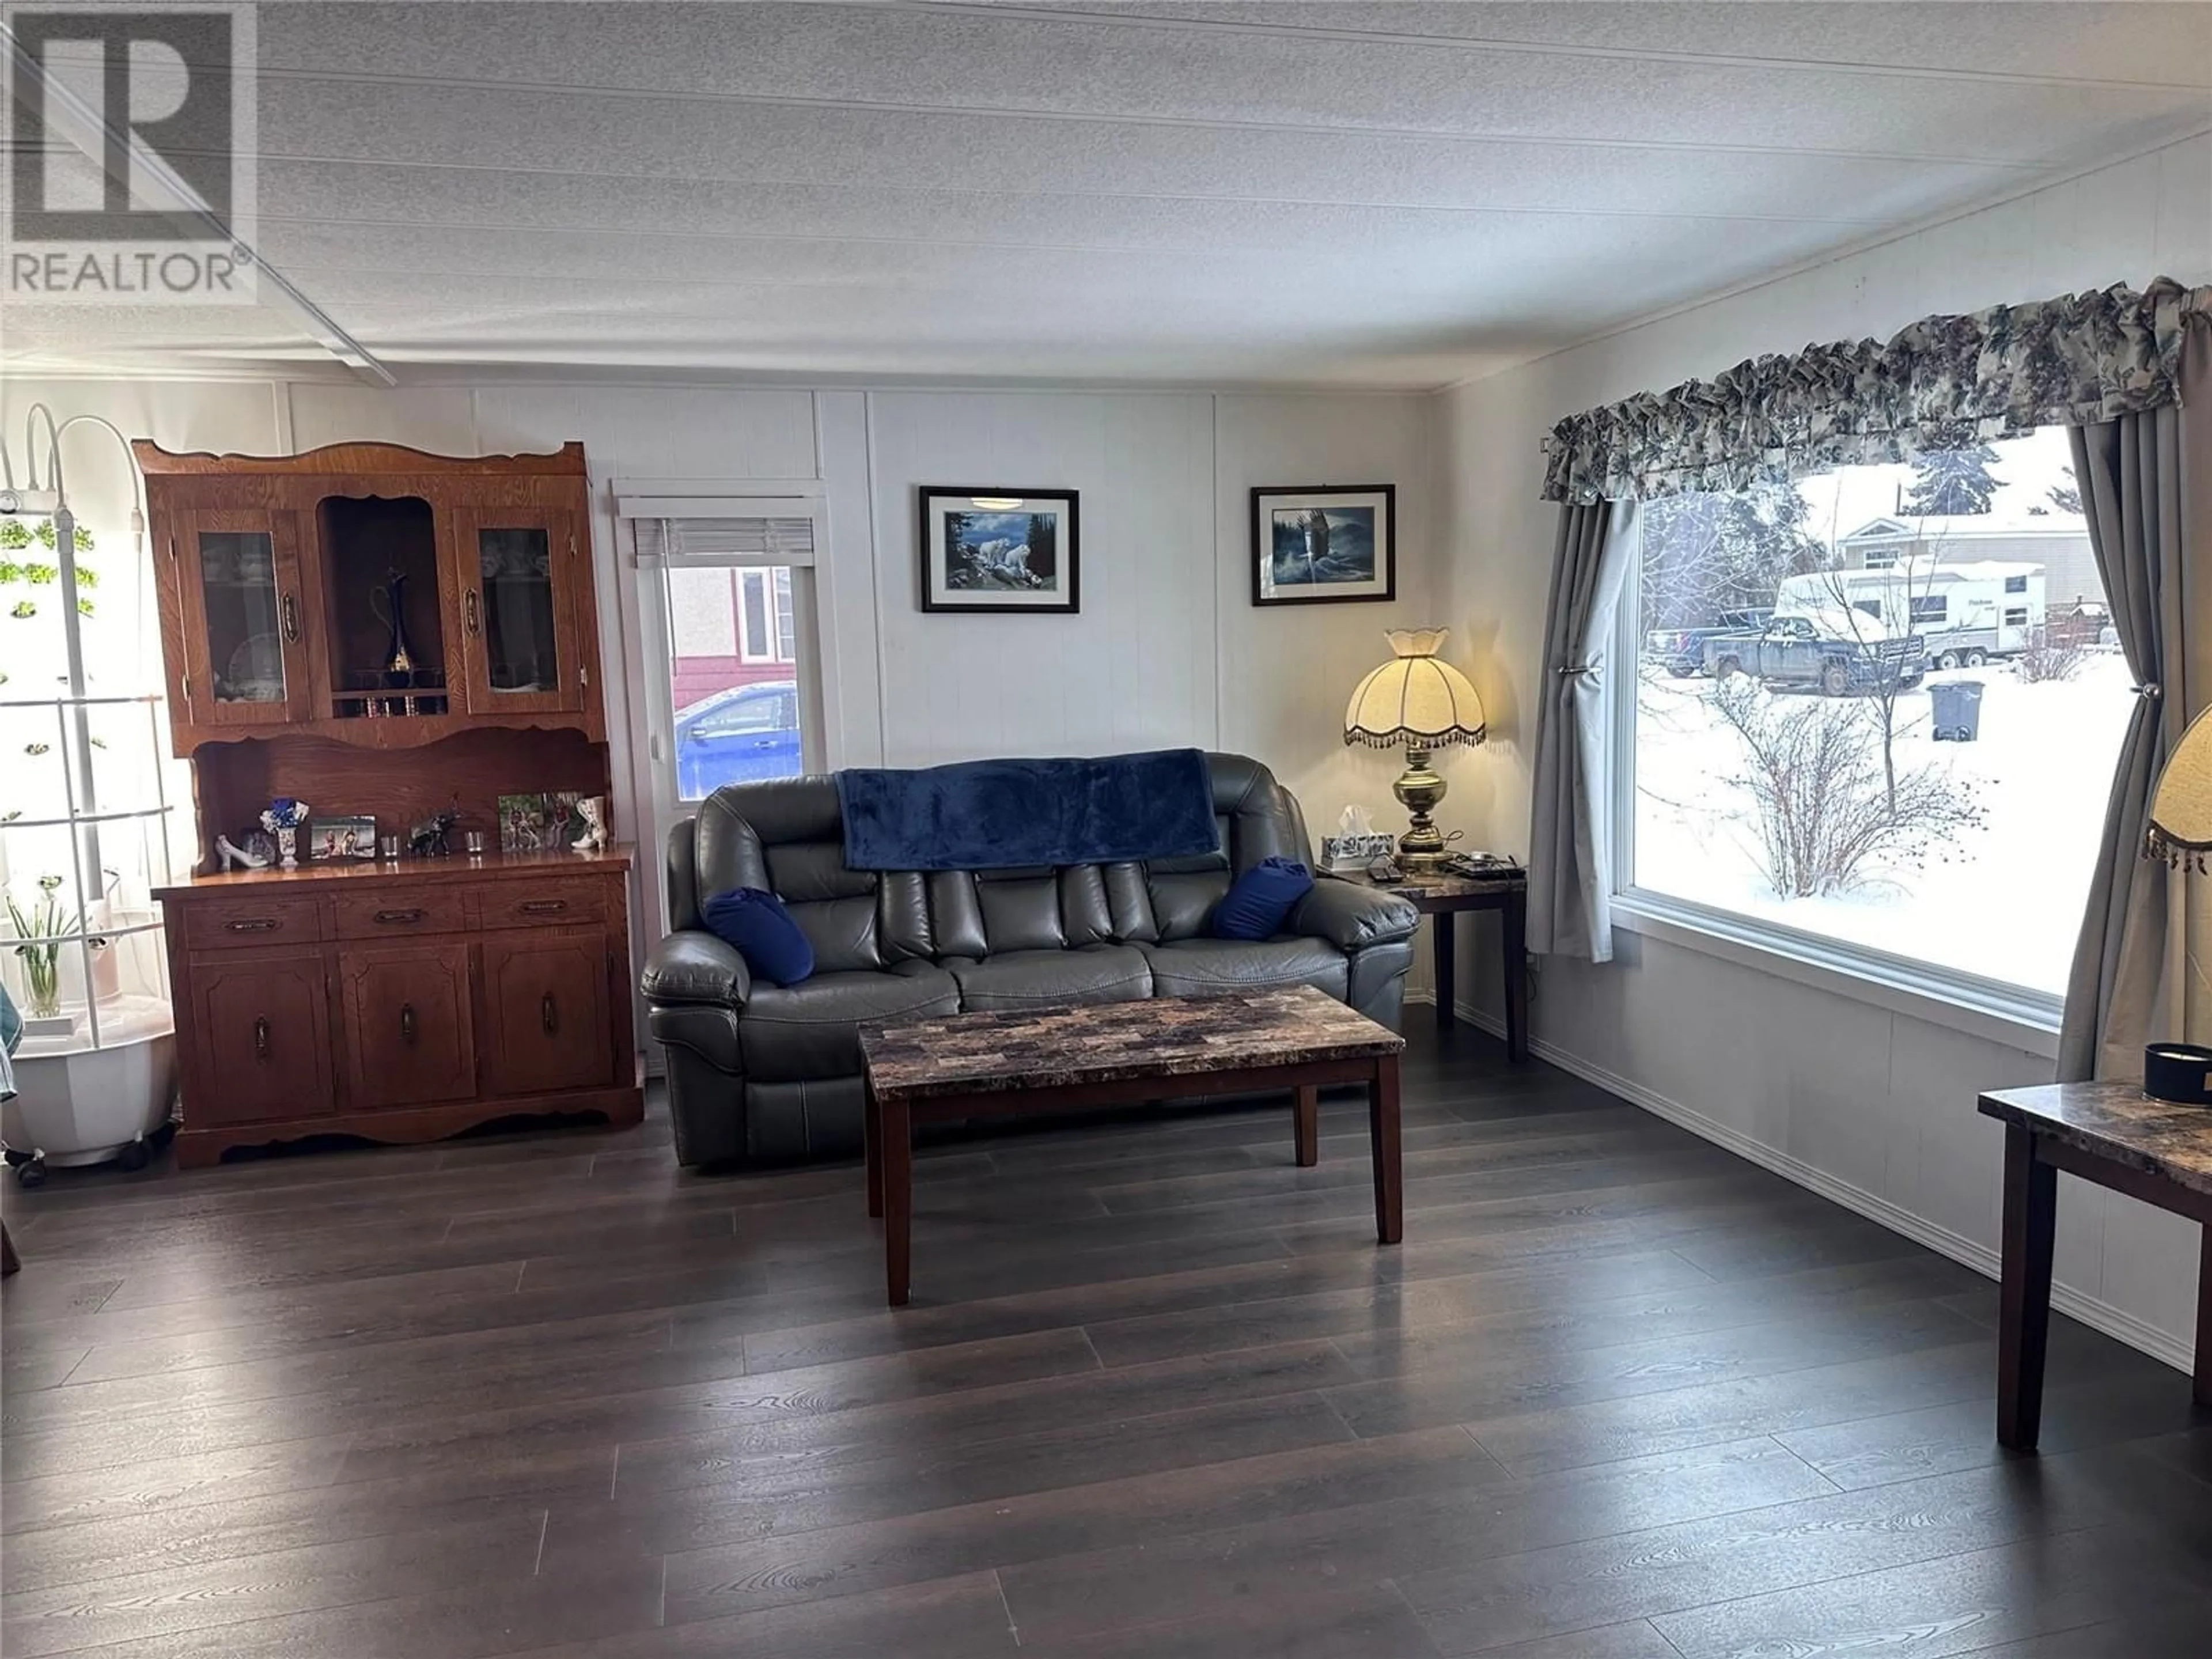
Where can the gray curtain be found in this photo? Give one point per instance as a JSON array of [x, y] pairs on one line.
[[2131, 473], [1570, 823]]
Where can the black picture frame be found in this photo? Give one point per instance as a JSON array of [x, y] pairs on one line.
[[1063, 599], [1380, 501]]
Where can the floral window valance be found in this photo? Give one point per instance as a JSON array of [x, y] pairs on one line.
[[1944, 383]]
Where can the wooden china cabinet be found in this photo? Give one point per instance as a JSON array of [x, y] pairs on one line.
[[382, 633]]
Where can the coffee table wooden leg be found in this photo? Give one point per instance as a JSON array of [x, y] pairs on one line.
[[2031, 1217], [871, 1138], [895, 1128], [1383, 1133], [1305, 1122]]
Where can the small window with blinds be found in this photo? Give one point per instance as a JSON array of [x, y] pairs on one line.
[[728, 590]]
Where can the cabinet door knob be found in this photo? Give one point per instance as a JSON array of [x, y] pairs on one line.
[[469, 618], [291, 620], [407, 1023], [261, 1036], [546, 1013]]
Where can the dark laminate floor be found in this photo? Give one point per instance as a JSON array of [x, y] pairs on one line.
[[1619, 1396]]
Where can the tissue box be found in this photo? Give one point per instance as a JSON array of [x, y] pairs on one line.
[[1348, 853]]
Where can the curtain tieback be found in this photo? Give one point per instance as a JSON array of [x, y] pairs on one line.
[[2150, 689]]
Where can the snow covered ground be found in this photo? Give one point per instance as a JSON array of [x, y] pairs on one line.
[[2005, 901]]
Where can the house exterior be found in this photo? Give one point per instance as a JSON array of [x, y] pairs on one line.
[[728, 627], [2059, 543]]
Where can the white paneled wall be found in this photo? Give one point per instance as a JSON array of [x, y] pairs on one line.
[[1133, 668], [1286, 671], [1166, 649], [1874, 1106]]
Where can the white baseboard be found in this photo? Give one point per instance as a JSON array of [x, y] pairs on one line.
[[2097, 1313]]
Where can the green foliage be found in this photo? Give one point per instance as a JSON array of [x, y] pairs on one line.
[[16, 536]]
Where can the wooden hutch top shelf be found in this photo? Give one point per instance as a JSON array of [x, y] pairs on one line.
[[374, 595], [412, 871]]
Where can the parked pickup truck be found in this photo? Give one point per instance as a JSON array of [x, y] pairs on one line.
[[1841, 657], [1681, 651]]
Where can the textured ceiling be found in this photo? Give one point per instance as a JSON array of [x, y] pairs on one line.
[[1381, 194]]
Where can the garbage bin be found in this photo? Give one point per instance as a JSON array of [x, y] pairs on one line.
[[1958, 710]]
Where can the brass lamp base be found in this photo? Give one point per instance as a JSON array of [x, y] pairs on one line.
[[1419, 789]]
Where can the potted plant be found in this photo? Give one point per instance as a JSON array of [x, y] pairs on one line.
[[39, 934]]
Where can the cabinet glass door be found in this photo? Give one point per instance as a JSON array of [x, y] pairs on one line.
[[245, 664], [517, 611]]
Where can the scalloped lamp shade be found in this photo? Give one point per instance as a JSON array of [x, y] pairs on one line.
[[2181, 811], [1416, 698]]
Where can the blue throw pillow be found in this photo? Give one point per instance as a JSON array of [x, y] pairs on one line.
[[758, 923], [1259, 900]]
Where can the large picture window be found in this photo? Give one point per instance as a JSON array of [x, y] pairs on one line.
[[1878, 709]]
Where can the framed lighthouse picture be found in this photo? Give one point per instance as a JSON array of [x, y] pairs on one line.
[[1331, 545]]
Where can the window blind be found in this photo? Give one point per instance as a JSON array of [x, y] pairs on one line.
[[777, 540]]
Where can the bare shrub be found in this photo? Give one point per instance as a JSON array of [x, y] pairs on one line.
[[1828, 811], [2051, 657]]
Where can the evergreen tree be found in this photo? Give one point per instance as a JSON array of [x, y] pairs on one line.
[[2067, 497], [1952, 483]]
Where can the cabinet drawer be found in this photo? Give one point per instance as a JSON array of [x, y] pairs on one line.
[[544, 904], [247, 922], [410, 1038], [400, 912]]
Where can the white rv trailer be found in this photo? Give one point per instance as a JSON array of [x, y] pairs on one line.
[[1967, 613]]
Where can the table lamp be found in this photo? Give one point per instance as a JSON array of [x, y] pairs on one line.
[[1420, 701], [2181, 833]]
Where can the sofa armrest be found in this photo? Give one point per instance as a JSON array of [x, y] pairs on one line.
[[1352, 917], [694, 966]]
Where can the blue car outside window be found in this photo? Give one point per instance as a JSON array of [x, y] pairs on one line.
[[747, 736]]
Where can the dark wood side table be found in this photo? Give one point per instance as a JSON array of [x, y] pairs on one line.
[[2112, 1134], [1442, 897]]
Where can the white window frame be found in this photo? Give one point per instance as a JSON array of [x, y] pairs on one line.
[[657, 703], [772, 650], [2012, 1014]]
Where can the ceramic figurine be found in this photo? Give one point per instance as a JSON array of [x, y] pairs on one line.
[[595, 838], [229, 853], [428, 839], [283, 820]]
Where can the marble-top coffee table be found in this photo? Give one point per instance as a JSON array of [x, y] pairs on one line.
[[2114, 1135], [1057, 1059]]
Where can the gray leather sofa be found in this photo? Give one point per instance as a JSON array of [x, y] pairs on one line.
[[766, 1073]]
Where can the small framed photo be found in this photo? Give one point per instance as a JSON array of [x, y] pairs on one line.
[[525, 823], [341, 838], [1000, 549], [1327, 546]]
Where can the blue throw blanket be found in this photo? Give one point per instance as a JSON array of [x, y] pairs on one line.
[[1010, 814]]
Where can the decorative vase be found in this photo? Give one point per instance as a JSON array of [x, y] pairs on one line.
[[398, 656], [287, 848], [42, 980]]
